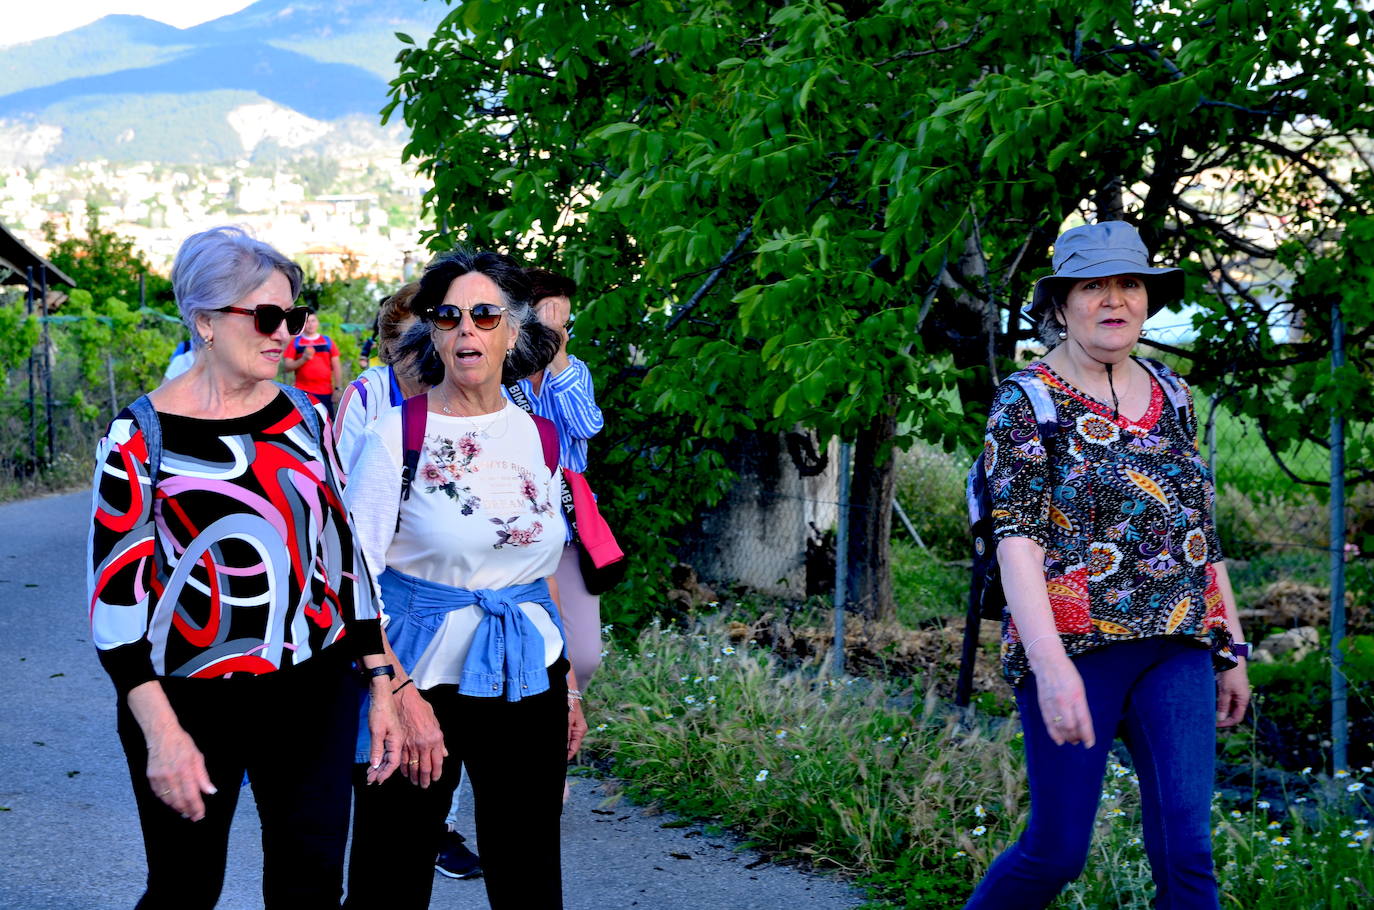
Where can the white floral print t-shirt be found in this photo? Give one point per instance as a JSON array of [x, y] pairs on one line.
[[483, 512]]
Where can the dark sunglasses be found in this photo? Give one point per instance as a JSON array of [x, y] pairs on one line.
[[267, 317], [486, 316]]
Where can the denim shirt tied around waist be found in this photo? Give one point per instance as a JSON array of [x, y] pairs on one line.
[[507, 651]]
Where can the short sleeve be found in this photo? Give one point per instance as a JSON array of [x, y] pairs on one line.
[[1017, 468]]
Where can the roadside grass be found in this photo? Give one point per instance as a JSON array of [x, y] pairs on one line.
[[65, 475], [882, 782]]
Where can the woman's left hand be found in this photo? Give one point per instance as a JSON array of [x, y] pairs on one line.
[[385, 729], [1233, 695], [577, 726]]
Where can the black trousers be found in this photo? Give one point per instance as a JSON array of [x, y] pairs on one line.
[[293, 732], [516, 758]]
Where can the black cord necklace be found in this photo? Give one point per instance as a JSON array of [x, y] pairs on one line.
[[1111, 386]]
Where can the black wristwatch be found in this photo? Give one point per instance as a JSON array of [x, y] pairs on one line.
[[371, 673]]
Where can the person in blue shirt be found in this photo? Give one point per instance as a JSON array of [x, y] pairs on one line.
[[563, 393]]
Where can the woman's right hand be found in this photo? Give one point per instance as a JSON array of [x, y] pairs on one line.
[[176, 769], [176, 772], [422, 746], [1063, 701]]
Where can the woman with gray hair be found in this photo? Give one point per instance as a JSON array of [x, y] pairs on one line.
[[229, 601], [1120, 616], [456, 493]]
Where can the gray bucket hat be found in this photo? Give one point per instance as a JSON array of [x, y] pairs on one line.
[[1100, 251]]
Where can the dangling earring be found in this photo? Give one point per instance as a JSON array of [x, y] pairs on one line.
[[209, 344]]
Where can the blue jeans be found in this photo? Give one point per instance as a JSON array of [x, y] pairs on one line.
[[1159, 694]]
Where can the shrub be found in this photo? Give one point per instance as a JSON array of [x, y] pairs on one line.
[[884, 783]]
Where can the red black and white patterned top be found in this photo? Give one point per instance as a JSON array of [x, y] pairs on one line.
[[1122, 509], [258, 569]]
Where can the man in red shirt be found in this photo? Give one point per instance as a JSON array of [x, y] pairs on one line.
[[314, 358]]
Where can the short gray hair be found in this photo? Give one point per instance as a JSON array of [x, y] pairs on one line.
[[218, 267]]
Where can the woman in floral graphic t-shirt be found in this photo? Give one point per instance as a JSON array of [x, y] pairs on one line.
[[464, 575]]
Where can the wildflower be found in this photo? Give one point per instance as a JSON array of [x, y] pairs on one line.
[[1362, 834], [885, 739], [714, 603], [696, 679], [801, 726], [761, 776], [1362, 822], [727, 650], [682, 678], [1306, 771], [1274, 825], [1134, 842], [600, 727], [1353, 843], [667, 715], [796, 755], [710, 699], [1235, 813], [781, 734], [1341, 774], [713, 678], [604, 652], [1263, 804], [690, 699], [649, 654], [1278, 866], [1366, 769], [1346, 833], [979, 831], [1299, 799], [980, 811], [1281, 841], [1116, 813], [959, 853]]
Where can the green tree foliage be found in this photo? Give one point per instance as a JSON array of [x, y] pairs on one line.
[[108, 266], [826, 213]]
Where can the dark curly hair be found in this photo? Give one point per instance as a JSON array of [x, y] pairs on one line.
[[535, 344]]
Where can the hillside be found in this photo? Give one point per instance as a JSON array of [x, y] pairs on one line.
[[128, 88]]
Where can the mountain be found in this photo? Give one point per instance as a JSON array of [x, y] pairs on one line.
[[129, 88]]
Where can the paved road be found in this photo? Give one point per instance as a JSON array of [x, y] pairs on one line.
[[69, 835]]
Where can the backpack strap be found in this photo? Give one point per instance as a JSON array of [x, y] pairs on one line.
[[305, 406], [397, 396], [360, 389], [517, 395], [1038, 394], [548, 437], [1173, 390], [414, 415], [146, 418]]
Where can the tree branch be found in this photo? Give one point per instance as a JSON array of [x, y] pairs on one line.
[[740, 240], [1320, 173]]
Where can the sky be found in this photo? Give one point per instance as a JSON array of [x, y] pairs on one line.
[[30, 21]]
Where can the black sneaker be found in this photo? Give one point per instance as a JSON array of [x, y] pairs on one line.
[[455, 860]]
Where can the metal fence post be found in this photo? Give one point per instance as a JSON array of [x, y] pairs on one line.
[[33, 393], [47, 373], [1340, 731], [842, 559]]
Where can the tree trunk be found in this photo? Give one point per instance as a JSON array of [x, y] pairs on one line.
[[870, 518]]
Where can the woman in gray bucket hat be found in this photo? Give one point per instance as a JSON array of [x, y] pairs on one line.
[[1120, 616]]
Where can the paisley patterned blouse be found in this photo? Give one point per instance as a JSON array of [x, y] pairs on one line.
[[1122, 509]]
